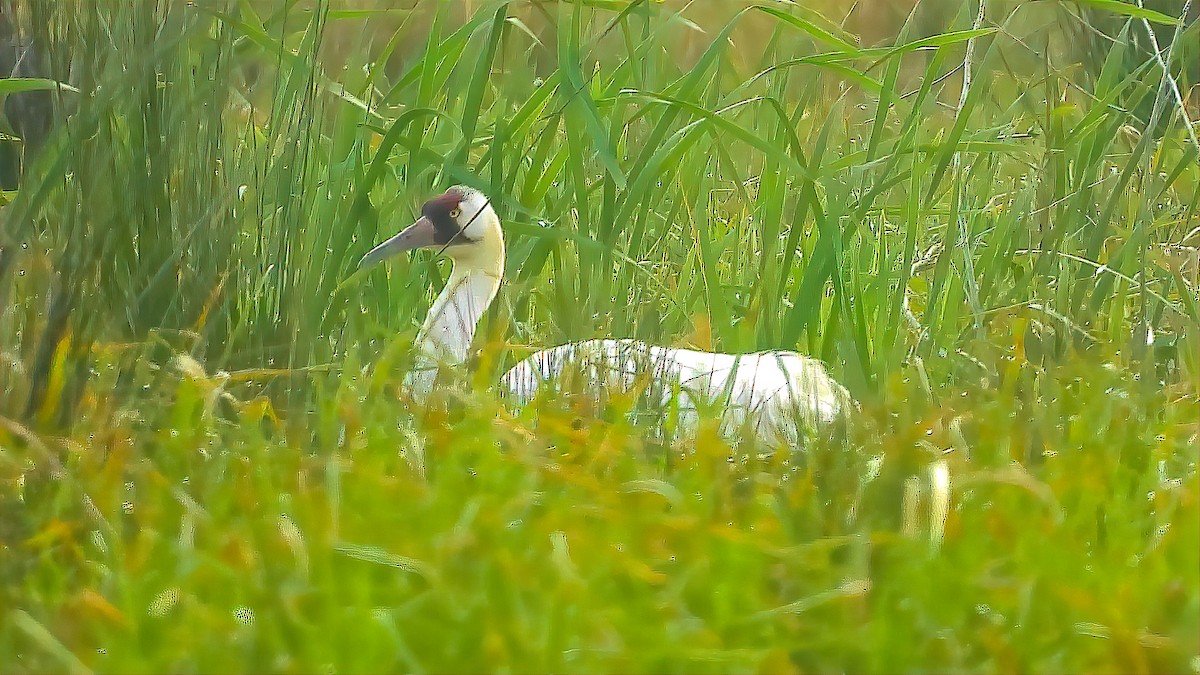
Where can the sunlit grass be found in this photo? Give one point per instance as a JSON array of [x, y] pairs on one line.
[[207, 462]]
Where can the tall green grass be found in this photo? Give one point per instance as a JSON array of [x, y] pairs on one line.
[[208, 464]]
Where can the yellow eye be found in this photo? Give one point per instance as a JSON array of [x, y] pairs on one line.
[[455, 212]]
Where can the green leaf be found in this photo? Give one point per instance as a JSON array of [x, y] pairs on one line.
[[17, 85], [821, 34], [1128, 9], [579, 101]]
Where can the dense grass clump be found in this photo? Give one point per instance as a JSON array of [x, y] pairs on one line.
[[984, 220]]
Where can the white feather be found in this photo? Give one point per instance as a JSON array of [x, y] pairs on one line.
[[777, 396]]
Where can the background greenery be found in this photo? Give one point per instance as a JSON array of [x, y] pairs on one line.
[[206, 462]]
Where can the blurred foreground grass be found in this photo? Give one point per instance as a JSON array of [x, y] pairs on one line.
[[206, 463], [172, 540]]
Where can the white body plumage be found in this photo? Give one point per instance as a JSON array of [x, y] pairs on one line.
[[775, 397]]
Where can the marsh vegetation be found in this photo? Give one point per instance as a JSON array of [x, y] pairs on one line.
[[984, 223]]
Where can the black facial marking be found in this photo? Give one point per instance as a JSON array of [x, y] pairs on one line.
[[438, 211]]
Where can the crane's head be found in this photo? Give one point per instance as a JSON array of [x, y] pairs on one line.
[[460, 223]]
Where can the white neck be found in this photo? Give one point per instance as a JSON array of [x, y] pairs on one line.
[[446, 335]]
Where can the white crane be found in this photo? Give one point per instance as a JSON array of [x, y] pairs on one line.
[[777, 396]]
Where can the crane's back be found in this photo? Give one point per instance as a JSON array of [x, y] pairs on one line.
[[776, 396]]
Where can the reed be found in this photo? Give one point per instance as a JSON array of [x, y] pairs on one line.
[[207, 463]]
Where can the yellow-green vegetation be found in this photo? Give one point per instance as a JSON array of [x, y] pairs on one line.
[[208, 462]]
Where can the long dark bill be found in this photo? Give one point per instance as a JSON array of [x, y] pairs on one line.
[[418, 235]]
